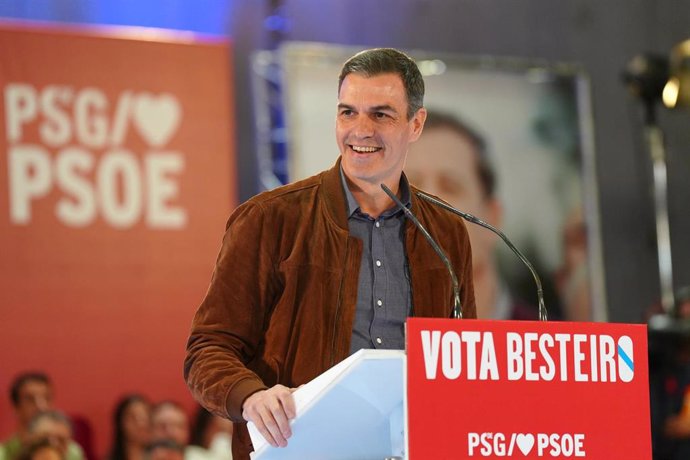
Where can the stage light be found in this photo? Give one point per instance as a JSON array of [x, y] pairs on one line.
[[677, 90]]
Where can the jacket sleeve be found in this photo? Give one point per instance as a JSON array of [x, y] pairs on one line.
[[227, 330]]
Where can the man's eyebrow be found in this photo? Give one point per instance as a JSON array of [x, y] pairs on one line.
[[376, 108], [383, 108]]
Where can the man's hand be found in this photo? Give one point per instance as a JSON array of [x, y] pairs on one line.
[[270, 411]]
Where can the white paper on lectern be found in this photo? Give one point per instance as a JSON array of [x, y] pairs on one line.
[[377, 404]]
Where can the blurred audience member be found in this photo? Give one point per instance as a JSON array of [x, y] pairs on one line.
[[170, 421], [451, 160], [165, 449], [211, 437], [30, 393], [40, 449], [131, 428], [57, 428]]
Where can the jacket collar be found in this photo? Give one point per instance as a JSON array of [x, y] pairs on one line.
[[336, 201]]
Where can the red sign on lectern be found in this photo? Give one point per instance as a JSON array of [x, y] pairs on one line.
[[526, 389]]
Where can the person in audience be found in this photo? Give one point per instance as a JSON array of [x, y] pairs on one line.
[[451, 160], [164, 449], [131, 428], [40, 449], [57, 428], [30, 393], [170, 421]]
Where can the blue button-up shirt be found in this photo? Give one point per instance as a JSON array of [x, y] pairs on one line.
[[384, 300]]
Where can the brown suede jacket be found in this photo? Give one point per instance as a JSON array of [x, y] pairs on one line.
[[281, 302]]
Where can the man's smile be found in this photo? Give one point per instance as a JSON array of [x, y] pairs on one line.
[[364, 149]]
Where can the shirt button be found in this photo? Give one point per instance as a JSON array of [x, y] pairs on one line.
[[378, 340], [379, 302], [378, 223], [378, 263]]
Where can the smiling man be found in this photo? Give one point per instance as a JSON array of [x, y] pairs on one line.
[[313, 271]]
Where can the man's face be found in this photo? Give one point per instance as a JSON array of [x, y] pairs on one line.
[[169, 422], [443, 162], [137, 423], [372, 129], [59, 433], [34, 397]]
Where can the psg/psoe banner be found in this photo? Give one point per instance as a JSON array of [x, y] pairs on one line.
[[526, 389], [116, 179]]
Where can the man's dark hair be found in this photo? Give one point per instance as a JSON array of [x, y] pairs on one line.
[[378, 61], [485, 170], [21, 380]]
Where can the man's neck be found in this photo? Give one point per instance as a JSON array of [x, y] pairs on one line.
[[371, 198]]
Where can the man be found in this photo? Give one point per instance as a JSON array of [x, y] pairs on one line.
[[57, 428], [31, 393], [451, 160], [164, 449], [170, 421], [313, 271]]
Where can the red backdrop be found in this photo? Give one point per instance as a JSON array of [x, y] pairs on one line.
[[481, 389], [116, 177]]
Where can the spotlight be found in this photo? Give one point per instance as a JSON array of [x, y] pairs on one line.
[[676, 93]]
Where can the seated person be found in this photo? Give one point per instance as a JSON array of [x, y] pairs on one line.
[[30, 394], [165, 449], [55, 427], [40, 449], [131, 428]]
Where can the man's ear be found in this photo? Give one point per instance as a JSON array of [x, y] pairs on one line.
[[418, 124]]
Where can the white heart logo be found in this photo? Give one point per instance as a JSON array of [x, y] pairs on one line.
[[525, 442], [157, 117]]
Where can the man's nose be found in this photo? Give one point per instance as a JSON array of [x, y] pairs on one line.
[[42, 404], [364, 127]]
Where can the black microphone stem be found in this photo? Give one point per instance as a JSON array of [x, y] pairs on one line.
[[457, 307], [470, 218]]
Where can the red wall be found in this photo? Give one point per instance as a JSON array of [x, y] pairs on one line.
[[116, 178]]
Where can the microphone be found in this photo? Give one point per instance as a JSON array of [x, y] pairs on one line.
[[475, 220], [457, 307]]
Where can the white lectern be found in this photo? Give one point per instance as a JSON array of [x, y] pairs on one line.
[[353, 411]]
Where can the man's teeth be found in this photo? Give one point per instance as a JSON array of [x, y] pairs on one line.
[[364, 149]]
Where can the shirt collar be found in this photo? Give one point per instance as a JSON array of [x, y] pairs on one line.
[[353, 206]]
